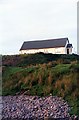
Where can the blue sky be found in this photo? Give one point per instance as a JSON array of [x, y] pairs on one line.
[[24, 20]]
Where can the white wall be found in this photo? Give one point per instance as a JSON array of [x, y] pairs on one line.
[[70, 50], [78, 27], [60, 50]]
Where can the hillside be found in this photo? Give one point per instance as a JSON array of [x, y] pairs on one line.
[[43, 74]]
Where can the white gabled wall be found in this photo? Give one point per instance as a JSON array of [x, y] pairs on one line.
[[70, 50], [60, 50]]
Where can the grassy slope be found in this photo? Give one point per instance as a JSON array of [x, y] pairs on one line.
[[50, 74]]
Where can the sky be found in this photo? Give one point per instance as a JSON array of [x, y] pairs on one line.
[[27, 20]]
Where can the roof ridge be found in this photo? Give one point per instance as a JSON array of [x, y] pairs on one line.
[[46, 39]]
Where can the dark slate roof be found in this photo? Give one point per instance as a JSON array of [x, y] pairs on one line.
[[50, 43], [69, 46]]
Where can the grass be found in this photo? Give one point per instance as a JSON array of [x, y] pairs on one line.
[[58, 76]]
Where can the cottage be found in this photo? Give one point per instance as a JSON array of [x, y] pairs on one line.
[[54, 46]]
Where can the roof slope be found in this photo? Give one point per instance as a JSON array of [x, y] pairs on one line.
[[69, 46], [50, 43]]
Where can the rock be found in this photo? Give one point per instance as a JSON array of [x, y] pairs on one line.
[[23, 106]]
